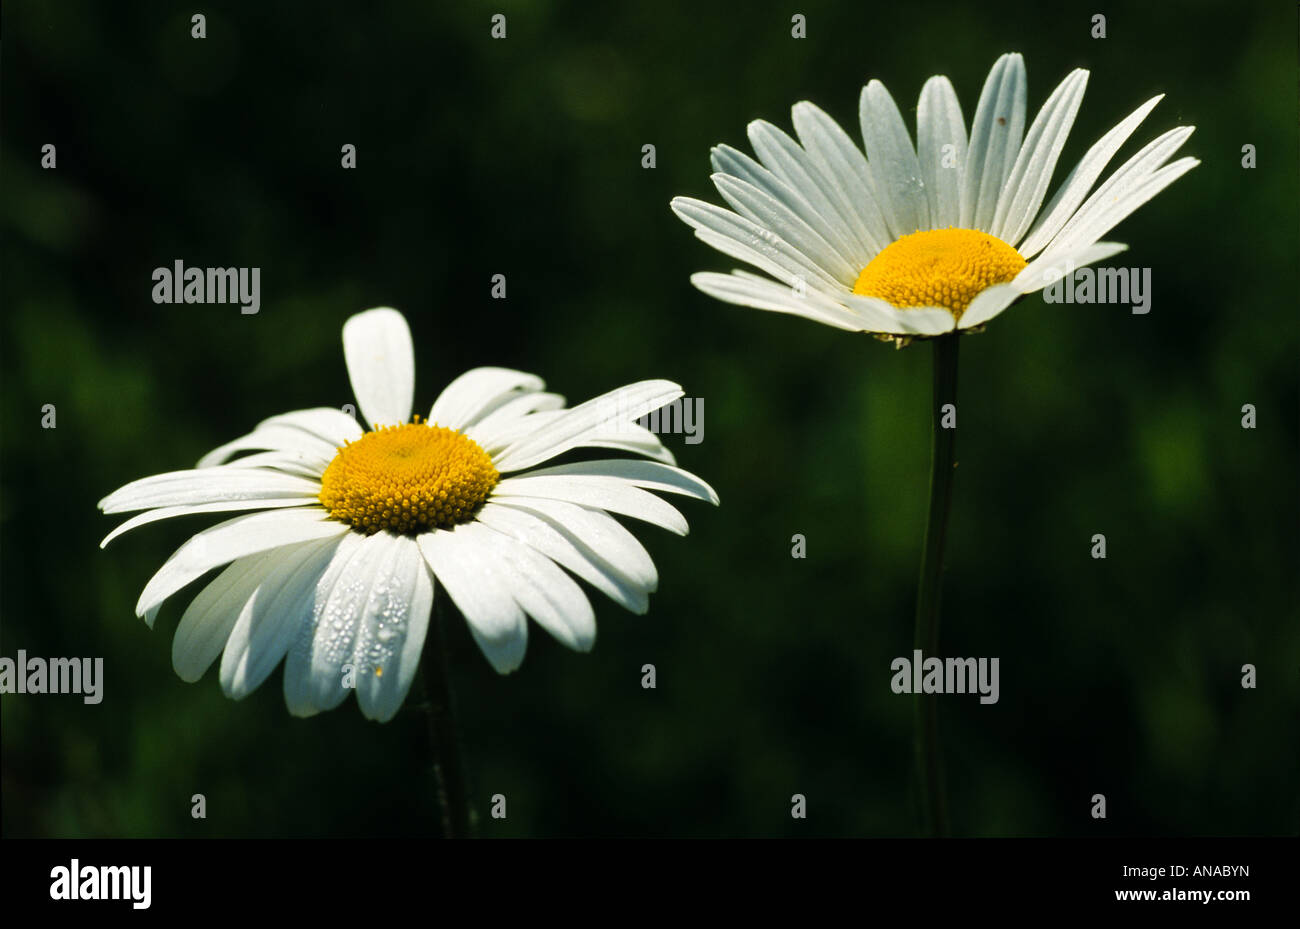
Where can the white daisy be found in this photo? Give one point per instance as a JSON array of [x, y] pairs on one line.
[[357, 529], [918, 241]]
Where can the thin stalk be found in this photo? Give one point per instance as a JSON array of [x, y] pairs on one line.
[[929, 761], [444, 744]]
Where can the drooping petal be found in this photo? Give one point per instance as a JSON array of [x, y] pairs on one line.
[[566, 549], [169, 512], [544, 591], [477, 582], [235, 538], [272, 616], [393, 625]]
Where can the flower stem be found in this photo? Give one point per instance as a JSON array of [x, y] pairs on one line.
[[929, 762], [444, 745]]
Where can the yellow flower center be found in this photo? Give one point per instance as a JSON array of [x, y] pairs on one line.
[[940, 267], [409, 478]]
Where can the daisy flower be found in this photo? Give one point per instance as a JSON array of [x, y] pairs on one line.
[[356, 532], [917, 241]]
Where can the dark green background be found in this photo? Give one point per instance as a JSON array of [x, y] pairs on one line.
[[523, 157]]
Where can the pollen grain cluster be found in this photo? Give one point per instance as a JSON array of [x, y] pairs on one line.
[[407, 479], [939, 267]]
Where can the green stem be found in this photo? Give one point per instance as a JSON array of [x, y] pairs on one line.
[[929, 762], [444, 745]]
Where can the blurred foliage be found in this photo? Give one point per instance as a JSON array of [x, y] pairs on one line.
[[523, 157]]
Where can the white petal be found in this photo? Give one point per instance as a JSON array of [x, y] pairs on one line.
[[313, 671], [893, 162], [1076, 186], [235, 538], [381, 365], [1027, 185], [648, 474], [747, 241], [477, 581], [812, 197], [324, 422], [911, 320], [596, 417], [552, 598], [567, 549], [272, 616], [206, 623], [478, 392], [167, 512], [844, 164], [607, 493], [1047, 269], [994, 141], [275, 437], [745, 290], [1112, 203], [989, 304], [770, 213], [295, 463], [510, 414], [392, 629], [636, 439], [208, 485], [787, 161], [939, 124]]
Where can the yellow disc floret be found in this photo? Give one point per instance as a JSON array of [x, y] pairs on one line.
[[939, 267], [410, 478]]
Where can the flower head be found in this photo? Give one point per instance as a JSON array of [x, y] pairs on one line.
[[353, 532], [916, 241]]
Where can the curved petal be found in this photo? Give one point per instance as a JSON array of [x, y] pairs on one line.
[[168, 512], [596, 417], [323, 422], [647, 474], [477, 581], [314, 673], [595, 531], [206, 623], [381, 365], [276, 437], [607, 493], [547, 594], [225, 542], [272, 616], [550, 539], [393, 625], [208, 485], [478, 392]]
